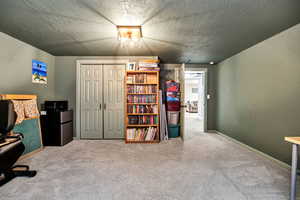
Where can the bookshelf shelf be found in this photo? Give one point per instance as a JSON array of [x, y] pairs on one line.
[[141, 103], [141, 83], [142, 141], [141, 125], [143, 117], [142, 93], [142, 72]]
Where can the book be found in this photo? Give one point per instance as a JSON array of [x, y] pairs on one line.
[[141, 89], [148, 65], [142, 109], [141, 134], [141, 98], [142, 120]]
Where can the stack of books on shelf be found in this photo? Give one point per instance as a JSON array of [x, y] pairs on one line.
[[143, 120], [141, 134], [149, 65], [140, 89], [141, 78], [141, 99], [142, 109]]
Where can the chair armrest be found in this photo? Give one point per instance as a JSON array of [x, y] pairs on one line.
[[16, 135]]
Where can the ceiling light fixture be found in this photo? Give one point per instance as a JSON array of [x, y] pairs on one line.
[[211, 62], [130, 35]]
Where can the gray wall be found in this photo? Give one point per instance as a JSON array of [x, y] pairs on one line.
[[258, 94], [16, 66]]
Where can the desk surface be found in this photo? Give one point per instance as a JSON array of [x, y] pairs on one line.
[[294, 140]]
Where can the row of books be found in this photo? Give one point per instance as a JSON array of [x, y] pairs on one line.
[[142, 88], [142, 120], [142, 78], [149, 65], [142, 109], [144, 65], [141, 134], [141, 98]]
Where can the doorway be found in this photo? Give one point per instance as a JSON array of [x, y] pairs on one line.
[[194, 99]]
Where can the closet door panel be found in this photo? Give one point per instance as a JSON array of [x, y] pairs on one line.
[[114, 101], [91, 115]]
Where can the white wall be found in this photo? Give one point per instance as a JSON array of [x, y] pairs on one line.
[[189, 95]]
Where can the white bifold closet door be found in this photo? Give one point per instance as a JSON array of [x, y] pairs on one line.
[[102, 101], [91, 102], [113, 91]]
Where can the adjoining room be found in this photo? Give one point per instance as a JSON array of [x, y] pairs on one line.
[[149, 100], [194, 92]]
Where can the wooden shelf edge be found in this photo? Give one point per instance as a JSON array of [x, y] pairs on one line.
[[142, 103], [142, 125], [142, 113], [142, 83], [141, 93], [17, 96], [140, 71], [145, 142]]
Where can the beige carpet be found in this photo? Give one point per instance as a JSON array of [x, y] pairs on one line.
[[193, 125], [208, 167]]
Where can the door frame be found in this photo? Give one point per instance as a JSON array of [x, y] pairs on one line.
[[205, 77], [105, 60]]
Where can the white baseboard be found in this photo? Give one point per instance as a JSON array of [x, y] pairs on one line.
[[211, 131], [282, 164]]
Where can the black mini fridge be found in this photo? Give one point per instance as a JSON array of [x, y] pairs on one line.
[[57, 127]]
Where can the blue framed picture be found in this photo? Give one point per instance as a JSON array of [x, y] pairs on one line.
[[39, 72]]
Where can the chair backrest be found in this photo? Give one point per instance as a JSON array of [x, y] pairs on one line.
[[7, 116]]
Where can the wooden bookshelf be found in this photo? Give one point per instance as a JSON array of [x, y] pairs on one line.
[[131, 78]]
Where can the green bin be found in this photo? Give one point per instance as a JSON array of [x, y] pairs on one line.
[[174, 131]]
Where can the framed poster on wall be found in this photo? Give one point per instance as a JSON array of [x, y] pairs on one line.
[[39, 72]]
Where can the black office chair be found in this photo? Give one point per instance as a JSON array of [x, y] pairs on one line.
[[10, 153]]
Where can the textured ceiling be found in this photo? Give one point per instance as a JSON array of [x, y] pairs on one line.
[[195, 31]]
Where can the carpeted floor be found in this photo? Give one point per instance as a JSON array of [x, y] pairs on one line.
[[207, 167], [193, 125]]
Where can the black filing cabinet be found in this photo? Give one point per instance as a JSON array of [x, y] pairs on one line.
[[57, 127]]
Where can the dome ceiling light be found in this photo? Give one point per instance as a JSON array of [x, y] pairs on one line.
[[129, 35]]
